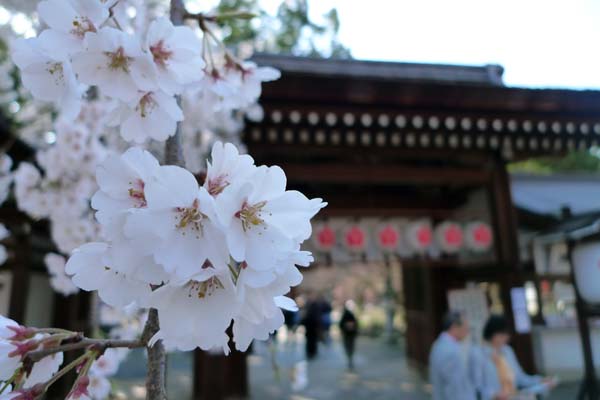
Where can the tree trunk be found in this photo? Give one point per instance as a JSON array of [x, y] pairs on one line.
[[157, 360]]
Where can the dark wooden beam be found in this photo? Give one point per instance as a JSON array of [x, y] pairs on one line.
[[385, 174]]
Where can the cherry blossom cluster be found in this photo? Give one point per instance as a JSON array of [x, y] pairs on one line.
[[80, 49], [8, 94], [106, 366], [16, 342], [25, 376], [84, 47], [203, 256], [228, 92], [62, 193], [59, 280]]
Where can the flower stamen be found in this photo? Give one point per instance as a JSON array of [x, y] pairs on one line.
[[81, 26], [205, 288], [118, 60], [190, 216], [217, 185], [136, 192], [251, 215], [146, 105], [160, 54]]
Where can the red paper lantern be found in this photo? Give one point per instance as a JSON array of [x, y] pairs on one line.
[[324, 237], [479, 236], [449, 236], [388, 238], [419, 235], [355, 238]]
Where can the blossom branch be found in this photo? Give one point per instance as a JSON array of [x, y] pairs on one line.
[[63, 371], [200, 17], [35, 356]]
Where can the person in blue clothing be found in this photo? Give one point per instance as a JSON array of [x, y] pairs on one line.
[[449, 373], [495, 370]]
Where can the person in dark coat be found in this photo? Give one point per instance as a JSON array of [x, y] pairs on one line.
[[312, 326], [325, 319], [349, 329]]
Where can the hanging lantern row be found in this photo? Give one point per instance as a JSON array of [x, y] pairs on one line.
[[449, 236]]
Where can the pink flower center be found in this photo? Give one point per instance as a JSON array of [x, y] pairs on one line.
[[190, 217], [82, 25], [251, 216], [136, 193], [118, 60], [205, 288], [160, 53], [146, 105], [56, 72], [217, 185]]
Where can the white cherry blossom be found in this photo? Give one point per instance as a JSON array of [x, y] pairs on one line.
[[46, 71], [261, 303], [264, 221], [180, 223], [227, 166], [9, 395], [44, 369], [9, 359], [9, 328], [107, 364], [99, 387], [176, 52], [92, 269], [151, 115], [70, 20], [246, 82], [59, 280], [122, 181], [114, 61], [196, 314]]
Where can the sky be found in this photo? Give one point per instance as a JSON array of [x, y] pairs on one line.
[[540, 43]]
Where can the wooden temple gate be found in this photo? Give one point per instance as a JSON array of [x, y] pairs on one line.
[[410, 140]]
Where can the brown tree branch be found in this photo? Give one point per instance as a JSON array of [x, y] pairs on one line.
[[157, 361], [35, 356]]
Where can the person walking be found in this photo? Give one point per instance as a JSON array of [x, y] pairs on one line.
[[325, 319], [312, 327], [349, 328], [449, 373]]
